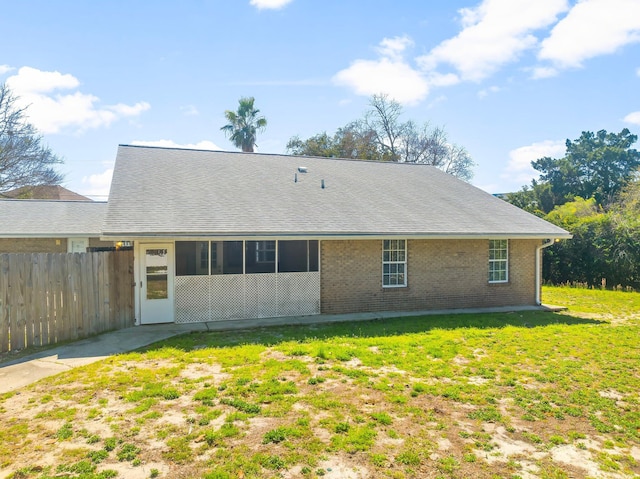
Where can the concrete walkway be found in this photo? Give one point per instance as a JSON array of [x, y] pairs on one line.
[[29, 369]]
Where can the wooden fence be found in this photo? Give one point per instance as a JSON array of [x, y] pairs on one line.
[[46, 298]]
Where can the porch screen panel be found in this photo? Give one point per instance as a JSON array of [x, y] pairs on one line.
[[297, 256], [260, 257], [226, 257], [293, 256], [192, 258], [314, 256]]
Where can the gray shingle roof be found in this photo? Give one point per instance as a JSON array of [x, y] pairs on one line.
[[51, 218], [44, 192], [177, 192]]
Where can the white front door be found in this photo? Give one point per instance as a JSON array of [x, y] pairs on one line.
[[156, 275]]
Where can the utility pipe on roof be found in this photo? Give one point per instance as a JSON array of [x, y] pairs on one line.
[[548, 242]]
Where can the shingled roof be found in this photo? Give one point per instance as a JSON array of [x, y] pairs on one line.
[[51, 218], [196, 193], [44, 192]]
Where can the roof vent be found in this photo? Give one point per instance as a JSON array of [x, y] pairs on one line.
[[302, 169]]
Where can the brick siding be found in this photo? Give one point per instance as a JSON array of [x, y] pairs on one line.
[[96, 243], [441, 274], [33, 245], [43, 245]]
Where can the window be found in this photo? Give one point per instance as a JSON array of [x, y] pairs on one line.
[[265, 251], [498, 261], [394, 263], [156, 262]]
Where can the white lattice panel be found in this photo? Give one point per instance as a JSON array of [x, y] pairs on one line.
[[192, 299], [237, 296], [298, 294], [261, 295], [226, 299]]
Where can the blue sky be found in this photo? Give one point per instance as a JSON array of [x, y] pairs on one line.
[[510, 80]]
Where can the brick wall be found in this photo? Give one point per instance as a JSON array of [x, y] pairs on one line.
[[43, 245], [96, 243], [441, 274], [33, 245]]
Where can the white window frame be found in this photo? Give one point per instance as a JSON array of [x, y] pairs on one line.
[[77, 245], [264, 249], [498, 264], [394, 255]]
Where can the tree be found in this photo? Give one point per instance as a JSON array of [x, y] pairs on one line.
[[381, 136], [593, 191], [353, 141], [594, 166], [24, 160], [604, 250], [244, 124]]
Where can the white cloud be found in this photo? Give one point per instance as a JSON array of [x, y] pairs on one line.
[[51, 111], [492, 89], [269, 4], [436, 101], [592, 28], [189, 110], [544, 72], [390, 74], [98, 185], [201, 145], [439, 79], [129, 110], [494, 33], [394, 48], [633, 118], [31, 80], [5, 69], [519, 169]]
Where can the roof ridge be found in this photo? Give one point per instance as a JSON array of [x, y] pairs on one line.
[[279, 155]]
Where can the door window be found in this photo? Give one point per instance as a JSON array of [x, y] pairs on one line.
[[156, 261]]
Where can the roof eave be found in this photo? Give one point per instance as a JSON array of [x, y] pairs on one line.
[[328, 235], [48, 235]]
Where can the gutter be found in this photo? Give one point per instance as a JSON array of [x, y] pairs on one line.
[[237, 236], [548, 242]]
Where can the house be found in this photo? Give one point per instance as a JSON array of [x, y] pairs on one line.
[[222, 235], [44, 192], [51, 226]]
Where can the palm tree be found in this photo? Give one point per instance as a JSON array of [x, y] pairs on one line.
[[244, 124]]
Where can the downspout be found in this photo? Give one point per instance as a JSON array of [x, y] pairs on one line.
[[545, 244]]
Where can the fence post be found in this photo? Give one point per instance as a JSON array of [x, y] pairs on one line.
[[4, 303]]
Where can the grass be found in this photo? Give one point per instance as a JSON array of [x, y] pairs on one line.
[[436, 396]]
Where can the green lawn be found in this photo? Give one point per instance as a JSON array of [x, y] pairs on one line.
[[511, 395]]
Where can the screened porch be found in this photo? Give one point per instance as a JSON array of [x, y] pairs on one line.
[[224, 280]]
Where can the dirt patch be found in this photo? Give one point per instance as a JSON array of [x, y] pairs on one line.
[[364, 422]]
